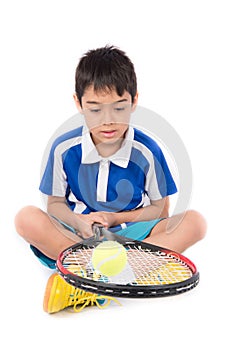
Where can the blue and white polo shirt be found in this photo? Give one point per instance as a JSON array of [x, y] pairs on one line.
[[136, 173]]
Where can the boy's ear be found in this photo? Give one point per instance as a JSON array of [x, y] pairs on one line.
[[135, 101], [77, 103]]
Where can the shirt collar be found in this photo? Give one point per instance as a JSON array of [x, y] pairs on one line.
[[121, 157]]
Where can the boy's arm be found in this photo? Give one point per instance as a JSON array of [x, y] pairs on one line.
[[157, 209], [57, 206]]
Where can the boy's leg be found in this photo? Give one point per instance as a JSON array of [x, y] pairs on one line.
[[43, 232], [179, 231]]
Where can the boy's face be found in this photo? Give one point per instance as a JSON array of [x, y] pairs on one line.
[[106, 114]]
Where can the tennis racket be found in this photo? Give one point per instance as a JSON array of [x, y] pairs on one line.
[[151, 271]]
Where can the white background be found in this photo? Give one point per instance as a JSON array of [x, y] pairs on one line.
[[183, 55]]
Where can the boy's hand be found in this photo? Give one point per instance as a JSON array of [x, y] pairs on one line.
[[86, 221], [106, 219]]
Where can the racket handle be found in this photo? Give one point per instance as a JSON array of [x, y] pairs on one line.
[[110, 236]]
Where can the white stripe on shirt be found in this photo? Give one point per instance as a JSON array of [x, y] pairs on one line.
[[151, 185], [59, 176], [102, 181]]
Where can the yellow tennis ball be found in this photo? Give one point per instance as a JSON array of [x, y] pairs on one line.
[[109, 257]]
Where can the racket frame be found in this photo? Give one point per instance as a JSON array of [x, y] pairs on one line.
[[127, 291]]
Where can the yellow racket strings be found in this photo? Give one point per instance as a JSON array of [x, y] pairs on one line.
[[147, 267]]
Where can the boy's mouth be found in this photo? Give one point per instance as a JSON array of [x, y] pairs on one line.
[[108, 133]]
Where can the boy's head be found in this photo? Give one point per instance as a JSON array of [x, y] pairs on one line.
[[105, 69], [106, 94]]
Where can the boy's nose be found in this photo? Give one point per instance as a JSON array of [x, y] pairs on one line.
[[107, 116]]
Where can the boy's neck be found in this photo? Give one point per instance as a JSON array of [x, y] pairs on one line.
[[106, 150]]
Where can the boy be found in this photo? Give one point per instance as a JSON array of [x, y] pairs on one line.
[[106, 172]]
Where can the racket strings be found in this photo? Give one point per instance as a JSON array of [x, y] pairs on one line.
[[157, 267], [144, 267]]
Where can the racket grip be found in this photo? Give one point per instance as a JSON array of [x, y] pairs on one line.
[[110, 236]]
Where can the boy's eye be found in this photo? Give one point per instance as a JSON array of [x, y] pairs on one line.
[[119, 109], [95, 110]]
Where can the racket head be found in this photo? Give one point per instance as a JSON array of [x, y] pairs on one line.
[[151, 271]]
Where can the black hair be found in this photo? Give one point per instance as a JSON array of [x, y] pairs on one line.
[[106, 68]]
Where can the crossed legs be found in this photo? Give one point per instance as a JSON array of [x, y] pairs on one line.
[[176, 233]]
